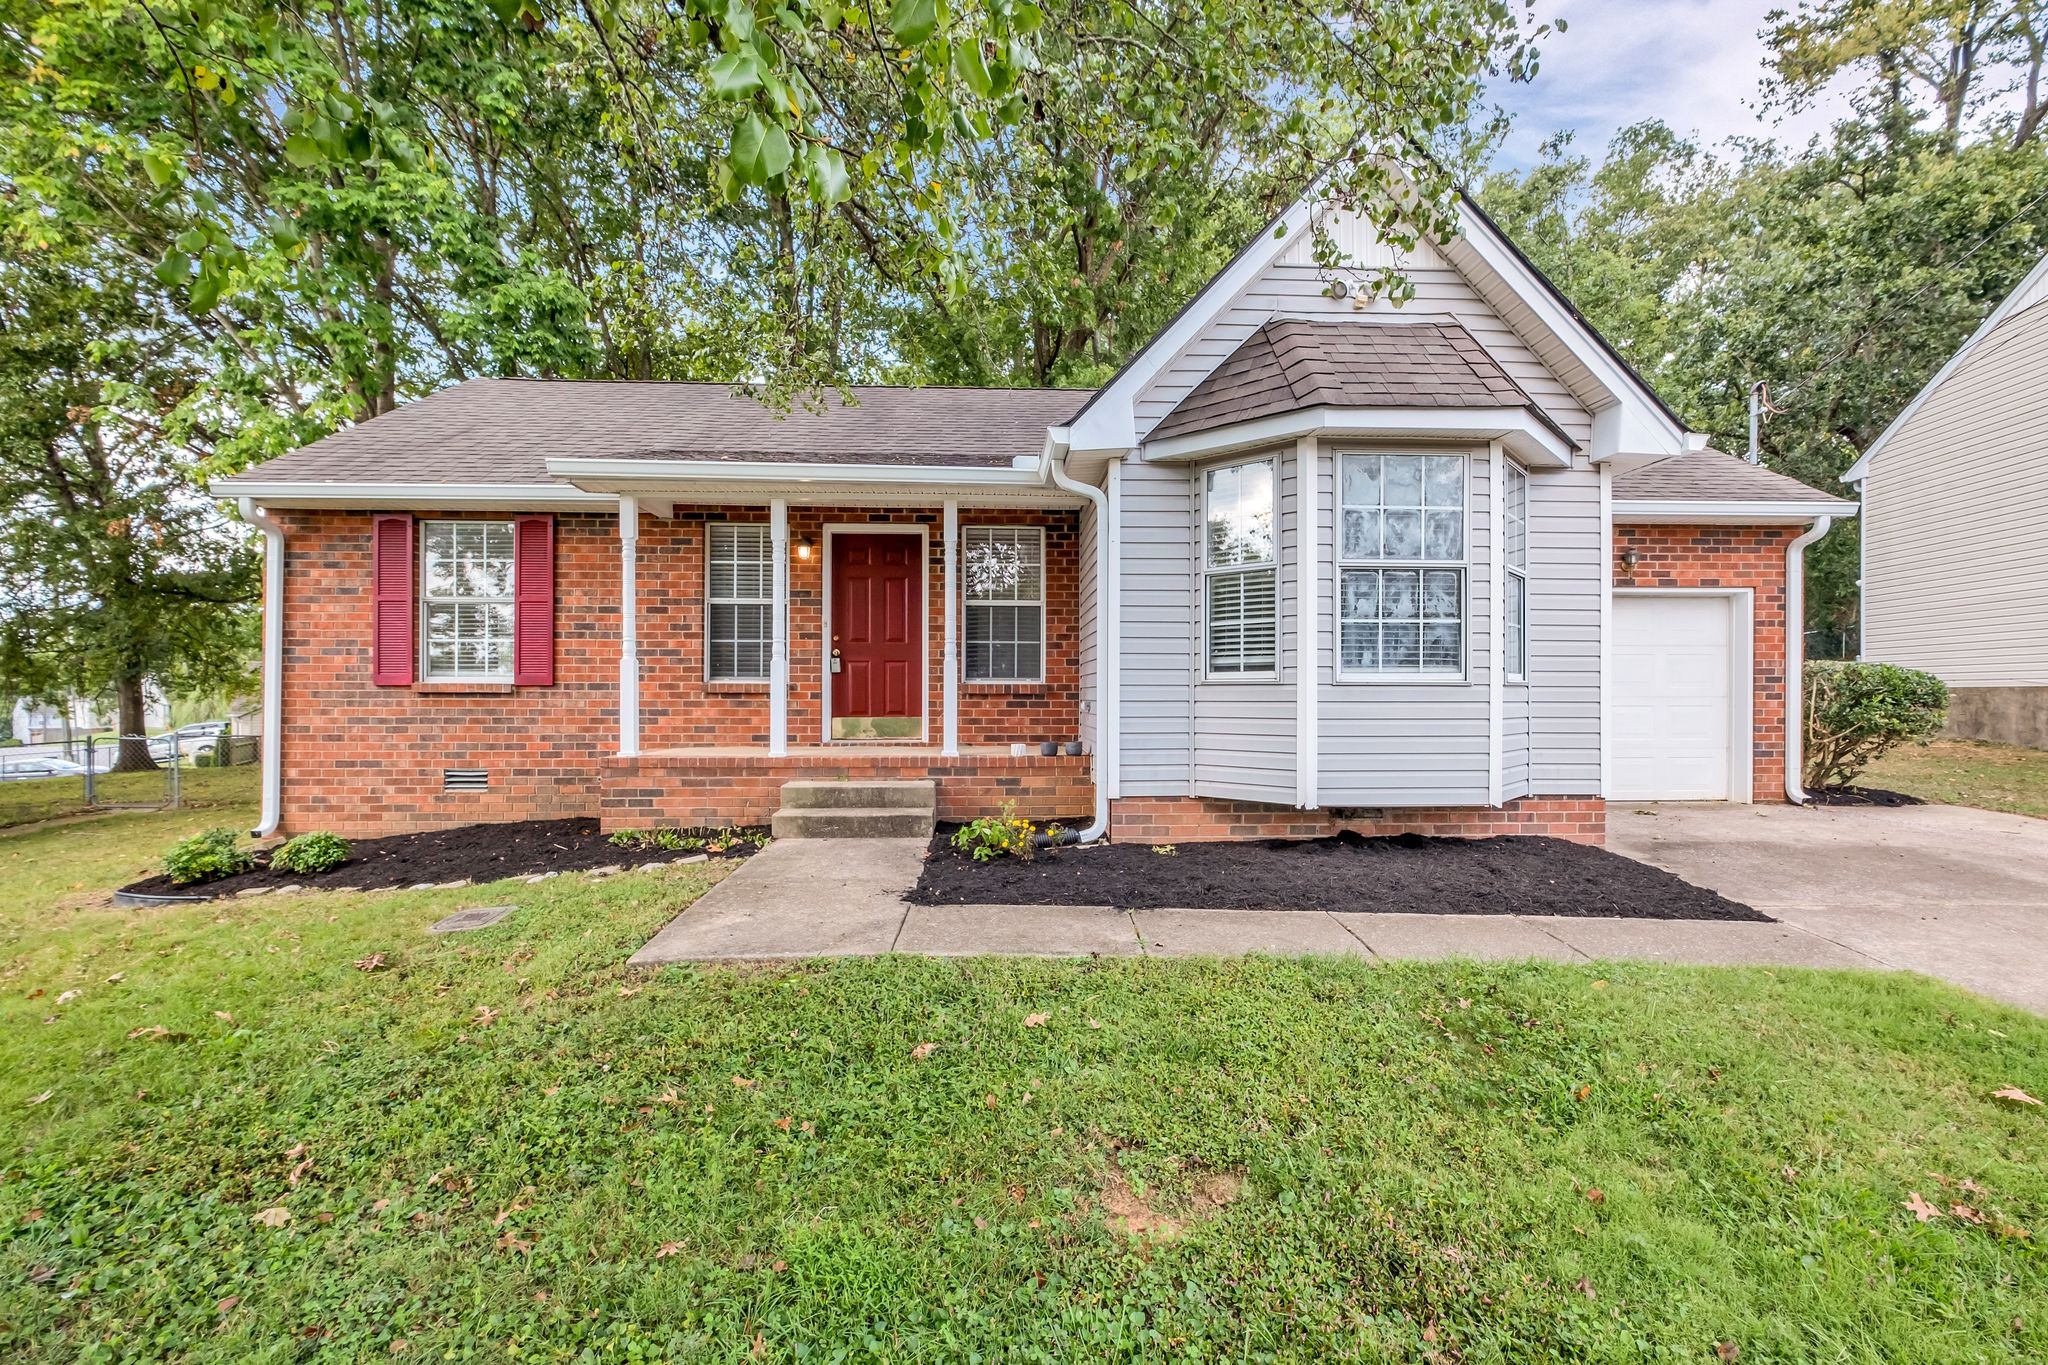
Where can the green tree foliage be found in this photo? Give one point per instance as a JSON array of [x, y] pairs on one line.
[[113, 570], [1841, 278], [1855, 713]]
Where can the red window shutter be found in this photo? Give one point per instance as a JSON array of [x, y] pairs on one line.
[[392, 651], [533, 602]]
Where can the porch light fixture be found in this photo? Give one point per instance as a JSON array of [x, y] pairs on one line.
[[1629, 560], [803, 547]]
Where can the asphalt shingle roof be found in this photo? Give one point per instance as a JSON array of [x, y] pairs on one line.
[[1713, 476], [1291, 364], [503, 431]]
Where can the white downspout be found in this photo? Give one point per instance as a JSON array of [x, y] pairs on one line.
[[1795, 658], [1054, 471], [271, 813]]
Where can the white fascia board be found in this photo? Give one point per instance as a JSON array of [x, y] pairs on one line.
[[1110, 421], [1523, 436], [744, 480], [2032, 290], [517, 497], [1697, 511], [1641, 425]]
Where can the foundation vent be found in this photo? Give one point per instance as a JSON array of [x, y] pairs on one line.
[[465, 780]]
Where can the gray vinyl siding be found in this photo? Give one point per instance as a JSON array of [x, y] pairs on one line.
[[1294, 290], [1244, 730], [1514, 743], [1383, 743], [1567, 576], [1157, 648], [1955, 517]]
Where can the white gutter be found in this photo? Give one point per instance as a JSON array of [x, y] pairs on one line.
[[1795, 658], [647, 474], [1053, 470], [270, 813], [1743, 512], [453, 497]]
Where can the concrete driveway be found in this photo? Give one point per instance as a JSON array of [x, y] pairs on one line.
[[1946, 890]]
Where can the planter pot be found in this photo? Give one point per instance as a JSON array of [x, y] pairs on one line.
[[1048, 749], [139, 899], [1075, 748]]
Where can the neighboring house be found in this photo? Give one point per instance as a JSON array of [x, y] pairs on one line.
[[49, 723], [1307, 562], [1955, 527]]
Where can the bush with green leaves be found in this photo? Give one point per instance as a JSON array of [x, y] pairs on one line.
[[206, 857], [1855, 712], [317, 851], [997, 836]]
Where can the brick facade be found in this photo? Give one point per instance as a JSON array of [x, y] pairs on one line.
[[1750, 557], [1167, 820], [363, 760], [682, 789]]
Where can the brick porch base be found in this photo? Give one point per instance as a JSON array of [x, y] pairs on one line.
[[683, 787], [1165, 820]]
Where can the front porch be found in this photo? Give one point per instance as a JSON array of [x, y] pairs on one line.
[[681, 788]]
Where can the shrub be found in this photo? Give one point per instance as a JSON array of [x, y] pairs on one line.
[[1855, 712], [206, 857], [315, 852], [993, 836], [669, 840]]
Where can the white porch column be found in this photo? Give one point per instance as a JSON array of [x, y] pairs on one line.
[[1497, 610], [629, 626], [778, 657], [949, 654]]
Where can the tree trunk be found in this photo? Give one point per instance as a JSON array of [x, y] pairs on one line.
[[134, 755]]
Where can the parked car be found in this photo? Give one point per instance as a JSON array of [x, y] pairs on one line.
[[39, 765]]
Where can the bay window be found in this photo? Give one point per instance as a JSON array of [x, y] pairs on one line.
[[1515, 535], [1401, 555], [1238, 563]]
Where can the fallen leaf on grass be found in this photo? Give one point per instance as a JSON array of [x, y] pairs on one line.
[[2014, 1095], [1919, 1207], [298, 1172], [483, 1016], [628, 992], [742, 1083], [510, 1240], [224, 1016], [149, 1031], [1585, 1286], [32, 1216], [1596, 1195], [989, 1101], [373, 963], [66, 997], [922, 1051], [1727, 1350], [227, 1305], [399, 1346], [38, 1099], [1036, 1020], [667, 1249], [1967, 1214], [1094, 1023], [275, 1217], [1582, 1092], [115, 978]]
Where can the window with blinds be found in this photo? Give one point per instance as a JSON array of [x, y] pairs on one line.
[[1241, 607], [466, 601], [1003, 568], [1515, 530], [739, 585], [1401, 565]]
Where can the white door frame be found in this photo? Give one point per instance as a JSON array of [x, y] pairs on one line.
[[924, 625], [1741, 681]]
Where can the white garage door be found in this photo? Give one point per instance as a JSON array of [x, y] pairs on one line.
[[1673, 736]]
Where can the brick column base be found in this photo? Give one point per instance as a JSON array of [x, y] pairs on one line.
[[1173, 819]]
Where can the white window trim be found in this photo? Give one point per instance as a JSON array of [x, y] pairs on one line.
[[426, 600], [967, 600], [1209, 574], [1405, 677], [711, 600], [1509, 671]]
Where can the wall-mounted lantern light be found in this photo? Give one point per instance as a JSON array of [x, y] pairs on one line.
[[804, 548], [1629, 560]]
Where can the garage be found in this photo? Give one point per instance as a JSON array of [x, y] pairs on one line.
[[1680, 701]]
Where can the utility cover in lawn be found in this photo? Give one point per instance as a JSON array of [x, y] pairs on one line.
[[1346, 874]]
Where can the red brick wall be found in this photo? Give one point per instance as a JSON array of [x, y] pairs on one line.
[[682, 790], [1727, 557], [361, 759], [1171, 819]]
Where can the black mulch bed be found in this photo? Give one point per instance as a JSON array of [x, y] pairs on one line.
[[475, 853], [1346, 873], [1862, 796]]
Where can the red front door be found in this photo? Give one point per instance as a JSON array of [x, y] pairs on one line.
[[877, 636]]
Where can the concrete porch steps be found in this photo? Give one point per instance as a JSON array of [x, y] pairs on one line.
[[855, 810]]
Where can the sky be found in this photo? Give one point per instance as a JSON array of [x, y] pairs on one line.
[[1695, 64]]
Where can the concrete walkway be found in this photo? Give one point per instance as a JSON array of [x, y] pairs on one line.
[[802, 898], [1951, 891]]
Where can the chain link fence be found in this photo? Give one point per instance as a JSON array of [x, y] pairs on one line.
[[105, 771]]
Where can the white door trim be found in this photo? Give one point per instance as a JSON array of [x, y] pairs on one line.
[[1741, 680], [924, 626]]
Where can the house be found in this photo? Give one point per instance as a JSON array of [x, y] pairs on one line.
[[1955, 565], [1309, 561]]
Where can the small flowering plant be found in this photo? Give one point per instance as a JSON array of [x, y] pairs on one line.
[[994, 836]]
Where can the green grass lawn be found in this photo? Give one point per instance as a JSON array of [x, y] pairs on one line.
[[1959, 772], [231, 1144], [45, 798]]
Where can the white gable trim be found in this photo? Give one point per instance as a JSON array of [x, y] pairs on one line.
[[1517, 429], [1634, 424], [2032, 290]]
